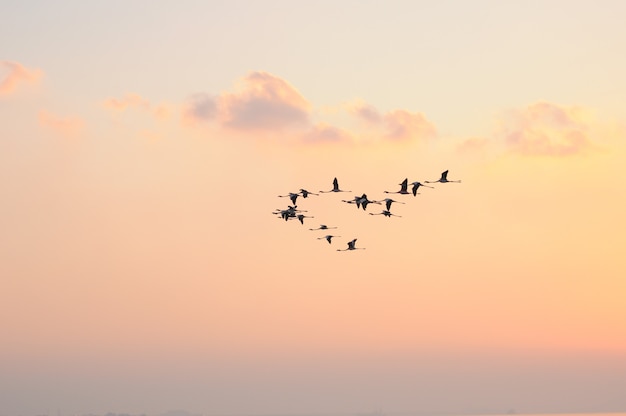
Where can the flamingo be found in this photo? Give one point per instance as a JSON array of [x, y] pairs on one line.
[[290, 212], [335, 187], [386, 213], [403, 188], [416, 186], [291, 196], [443, 179], [388, 202], [360, 201], [301, 218], [351, 246], [322, 227], [328, 237], [306, 193]]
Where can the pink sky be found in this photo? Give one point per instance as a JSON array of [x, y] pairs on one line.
[[142, 269]]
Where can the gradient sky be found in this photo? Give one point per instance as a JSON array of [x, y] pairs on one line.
[[142, 149]]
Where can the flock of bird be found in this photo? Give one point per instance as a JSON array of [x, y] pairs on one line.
[[293, 213]]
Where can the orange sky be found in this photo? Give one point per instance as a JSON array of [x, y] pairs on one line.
[[138, 242]]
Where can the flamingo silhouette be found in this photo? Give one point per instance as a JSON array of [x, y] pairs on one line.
[[351, 246], [403, 188], [388, 202], [301, 218], [443, 179], [386, 213], [322, 227], [291, 196], [416, 186], [306, 193], [335, 187], [328, 238]]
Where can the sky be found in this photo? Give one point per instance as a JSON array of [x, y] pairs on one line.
[[143, 149]]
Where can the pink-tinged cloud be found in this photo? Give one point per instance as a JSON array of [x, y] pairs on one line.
[[15, 75], [473, 145], [367, 113], [324, 133], [395, 125], [135, 101], [128, 101], [404, 125], [65, 126], [200, 108], [545, 129], [263, 102]]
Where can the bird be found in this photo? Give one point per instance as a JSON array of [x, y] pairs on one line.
[[388, 202], [416, 186], [443, 179], [386, 213], [301, 218], [335, 187], [291, 196], [403, 188], [328, 237], [322, 227], [290, 212], [306, 193], [351, 246], [360, 201]]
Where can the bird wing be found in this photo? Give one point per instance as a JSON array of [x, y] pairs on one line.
[[444, 176]]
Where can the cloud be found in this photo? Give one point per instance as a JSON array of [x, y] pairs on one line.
[[200, 107], [366, 112], [403, 125], [545, 129], [17, 74], [263, 102], [68, 126], [473, 145], [325, 133], [130, 101], [396, 124]]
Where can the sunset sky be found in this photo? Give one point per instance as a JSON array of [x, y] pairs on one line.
[[143, 146]]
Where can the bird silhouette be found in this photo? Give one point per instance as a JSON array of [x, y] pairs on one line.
[[306, 193], [328, 238], [443, 179], [360, 201], [322, 227], [388, 202], [335, 187], [351, 246], [386, 213], [403, 188], [301, 218], [291, 196], [416, 186]]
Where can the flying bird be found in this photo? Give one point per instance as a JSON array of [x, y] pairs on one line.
[[322, 227], [291, 196], [443, 179], [416, 186], [335, 187], [351, 246], [403, 188], [301, 218], [328, 238], [360, 201], [306, 193], [386, 213], [388, 202]]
